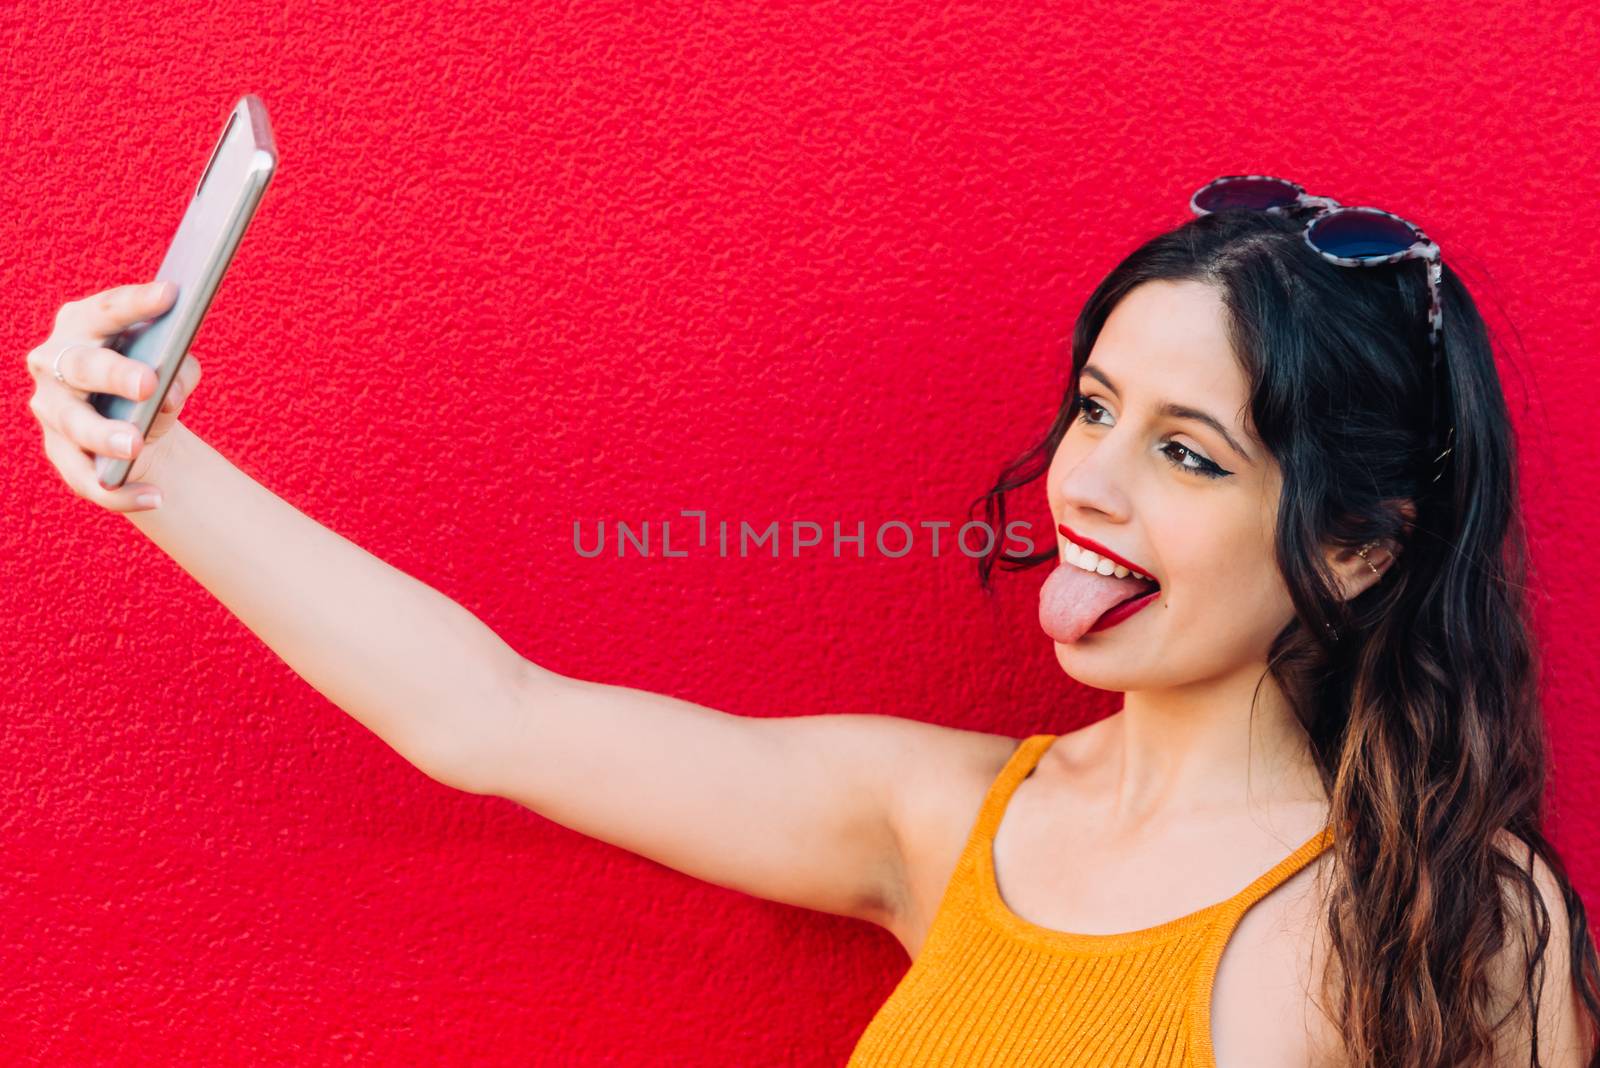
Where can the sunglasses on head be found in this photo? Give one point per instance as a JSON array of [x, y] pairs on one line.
[[1349, 237]]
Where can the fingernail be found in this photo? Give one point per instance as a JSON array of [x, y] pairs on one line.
[[161, 290], [122, 441], [150, 500]]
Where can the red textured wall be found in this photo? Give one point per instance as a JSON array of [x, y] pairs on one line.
[[528, 265]]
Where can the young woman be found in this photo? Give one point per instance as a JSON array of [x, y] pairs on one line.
[[1282, 484]]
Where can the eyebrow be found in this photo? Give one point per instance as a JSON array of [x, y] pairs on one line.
[[1177, 411]]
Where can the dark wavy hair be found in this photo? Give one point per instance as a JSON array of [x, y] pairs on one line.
[[1422, 705]]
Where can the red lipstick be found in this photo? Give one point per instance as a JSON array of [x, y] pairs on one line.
[[1117, 613]]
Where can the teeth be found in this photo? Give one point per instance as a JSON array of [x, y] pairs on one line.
[[1081, 557]]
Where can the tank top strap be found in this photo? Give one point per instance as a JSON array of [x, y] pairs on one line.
[[1280, 873], [1017, 767]]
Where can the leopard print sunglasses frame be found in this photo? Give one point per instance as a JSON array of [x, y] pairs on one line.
[[1349, 237]]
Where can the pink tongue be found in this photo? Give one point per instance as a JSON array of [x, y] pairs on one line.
[[1072, 599]]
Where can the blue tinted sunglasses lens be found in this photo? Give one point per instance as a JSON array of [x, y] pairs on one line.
[[1257, 194], [1354, 234]]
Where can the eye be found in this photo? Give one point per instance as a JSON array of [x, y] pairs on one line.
[[1202, 466], [1087, 410], [1081, 407]]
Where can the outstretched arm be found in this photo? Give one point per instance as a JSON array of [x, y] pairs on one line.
[[818, 811], [828, 812]]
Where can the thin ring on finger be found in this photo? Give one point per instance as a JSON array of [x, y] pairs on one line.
[[55, 364]]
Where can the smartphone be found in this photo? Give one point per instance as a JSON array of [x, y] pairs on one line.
[[225, 199]]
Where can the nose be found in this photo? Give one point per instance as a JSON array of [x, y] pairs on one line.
[[1093, 477]]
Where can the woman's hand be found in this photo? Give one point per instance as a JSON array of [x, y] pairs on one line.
[[73, 431]]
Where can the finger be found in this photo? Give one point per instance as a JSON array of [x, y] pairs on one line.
[[99, 317], [90, 369], [183, 384], [77, 468], [88, 429], [68, 411]]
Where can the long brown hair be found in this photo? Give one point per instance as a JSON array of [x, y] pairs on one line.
[[1420, 696]]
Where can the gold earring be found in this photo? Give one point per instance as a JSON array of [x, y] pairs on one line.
[[1362, 552]]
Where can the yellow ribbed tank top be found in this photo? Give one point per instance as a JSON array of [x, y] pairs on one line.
[[989, 988]]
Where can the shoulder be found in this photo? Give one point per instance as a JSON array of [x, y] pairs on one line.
[[1561, 1020], [1517, 967], [942, 776], [944, 773], [948, 774]]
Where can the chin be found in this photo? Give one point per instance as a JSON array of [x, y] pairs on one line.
[[1103, 665]]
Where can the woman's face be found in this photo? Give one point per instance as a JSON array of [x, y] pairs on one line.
[[1144, 484]]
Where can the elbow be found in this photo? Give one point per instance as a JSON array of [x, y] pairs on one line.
[[475, 738], [456, 761]]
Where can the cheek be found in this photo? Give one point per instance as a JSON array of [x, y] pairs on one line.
[[1212, 559], [1231, 593]]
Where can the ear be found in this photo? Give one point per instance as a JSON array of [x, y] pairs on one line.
[[1355, 572]]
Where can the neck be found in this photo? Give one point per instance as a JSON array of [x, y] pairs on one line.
[[1203, 746]]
